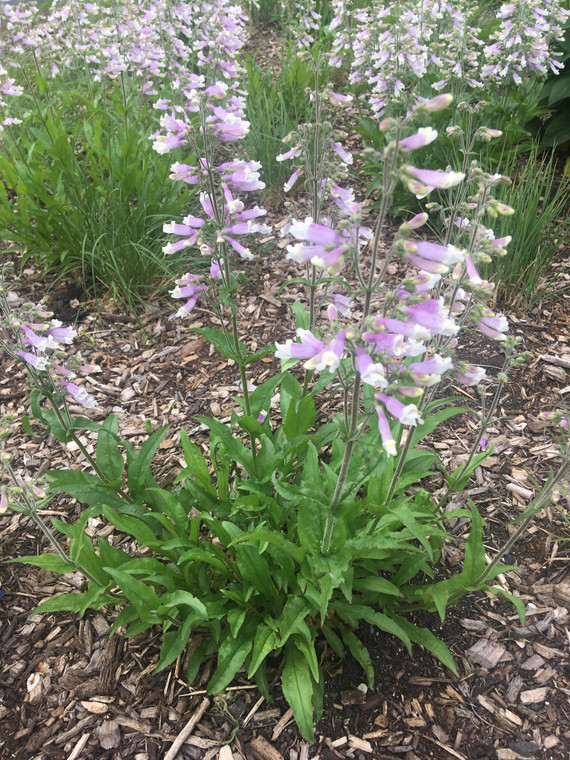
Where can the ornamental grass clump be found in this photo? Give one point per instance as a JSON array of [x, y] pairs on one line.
[[294, 528]]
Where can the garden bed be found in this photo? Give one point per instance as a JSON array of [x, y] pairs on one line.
[[97, 696], [71, 691]]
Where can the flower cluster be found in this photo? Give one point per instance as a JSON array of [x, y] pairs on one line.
[[8, 89], [156, 42], [404, 347], [225, 217], [529, 29], [31, 335], [394, 47]]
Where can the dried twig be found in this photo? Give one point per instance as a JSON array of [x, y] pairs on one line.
[[187, 730]]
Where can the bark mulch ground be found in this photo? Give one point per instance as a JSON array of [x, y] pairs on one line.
[[68, 691]]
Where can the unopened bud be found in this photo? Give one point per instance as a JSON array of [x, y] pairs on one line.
[[454, 132], [436, 104]]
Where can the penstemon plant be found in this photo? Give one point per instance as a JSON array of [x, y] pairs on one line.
[[294, 528]]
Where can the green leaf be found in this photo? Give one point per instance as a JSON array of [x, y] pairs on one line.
[[294, 612], [234, 449], [138, 463], [231, 657], [426, 639], [85, 487], [379, 485], [420, 532], [474, 563], [95, 598], [83, 554], [305, 644], [221, 343], [254, 568], [172, 508], [433, 421], [62, 602], [517, 601], [260, 399], [142, 596], [198, 657], [126, 615], [297, 685], [301, 315], [360, 654], [111, 555], [259, 355], [276, 539], [132, 526], [250, 424], [109, 458], [196, 463], [181, 598], [460, 477], [352, 614], [174, 642], [311, 519], [333, 640], [300, 418], [52, 562], [376, 585], [266, 640], [560, 89]]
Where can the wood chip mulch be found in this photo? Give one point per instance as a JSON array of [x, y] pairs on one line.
[[68, 691]]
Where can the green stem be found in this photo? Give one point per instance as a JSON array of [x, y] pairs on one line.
[[66, 424], [344, 467], [31, 511], [485, 424], [537, 505], [395, 479]]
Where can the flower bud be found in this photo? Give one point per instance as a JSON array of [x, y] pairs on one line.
[[486, 134], [437, 104], [454, 132]]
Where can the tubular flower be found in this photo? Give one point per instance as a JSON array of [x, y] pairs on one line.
[[433, 315], [370, 372], [422, 181], [490, 324], [330, 356], [291, 181], [407, 414], [79, 393], [388, 442], [469, 374], [308, 347], [339, 305], [424, 136], [188, 286], [39, 363]]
